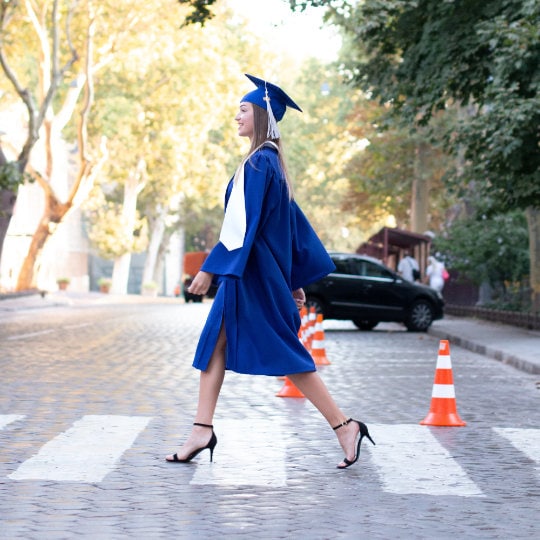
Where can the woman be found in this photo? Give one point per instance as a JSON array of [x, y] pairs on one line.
[[267, 252], [435, 274]]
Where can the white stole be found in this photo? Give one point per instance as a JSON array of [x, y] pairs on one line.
[[233, 230]]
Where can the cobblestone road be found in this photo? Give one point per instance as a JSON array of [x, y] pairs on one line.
[[93, 398]]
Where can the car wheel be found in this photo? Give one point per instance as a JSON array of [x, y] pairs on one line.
[[420, 316], [315, 303], [364, 324]]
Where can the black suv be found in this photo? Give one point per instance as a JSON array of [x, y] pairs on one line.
[[367, 292]]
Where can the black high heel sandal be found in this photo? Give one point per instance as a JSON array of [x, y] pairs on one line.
[[363, 433], [211, 445]]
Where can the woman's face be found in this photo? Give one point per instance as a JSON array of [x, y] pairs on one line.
[[244, 118]]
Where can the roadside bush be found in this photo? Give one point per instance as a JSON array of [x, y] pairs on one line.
[[492, 251]]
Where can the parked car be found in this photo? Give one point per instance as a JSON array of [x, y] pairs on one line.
[[365, 291]]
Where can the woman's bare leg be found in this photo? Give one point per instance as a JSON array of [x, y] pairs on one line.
[[209, 387], [313, 387]]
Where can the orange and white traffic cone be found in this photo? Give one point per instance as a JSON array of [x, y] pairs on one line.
[[289, 390], [302, 333], [318, 351], [443, 411], [310, 328]]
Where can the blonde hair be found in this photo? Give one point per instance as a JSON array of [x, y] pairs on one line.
[[260, 130]]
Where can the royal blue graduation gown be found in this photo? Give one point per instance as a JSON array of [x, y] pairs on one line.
[[281, 253]]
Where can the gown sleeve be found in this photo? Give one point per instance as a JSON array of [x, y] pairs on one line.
[[223, 262], [310, 260]]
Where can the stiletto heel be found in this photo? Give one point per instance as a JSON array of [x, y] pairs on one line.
[[364, 432], [210, 445]]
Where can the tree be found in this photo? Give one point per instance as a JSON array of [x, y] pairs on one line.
[[319, 145], [47, 52], [395, 170], [57, 55], [489, 250], [200, 11], [156, 102], [425, 55]]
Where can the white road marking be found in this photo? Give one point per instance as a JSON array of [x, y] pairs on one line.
[[246, 454], [6, 419], [411, 460], [408, 457], [30, 335], [86, 452], [525, 440], [81, 325]]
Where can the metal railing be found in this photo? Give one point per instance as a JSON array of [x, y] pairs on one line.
[[521, 319]]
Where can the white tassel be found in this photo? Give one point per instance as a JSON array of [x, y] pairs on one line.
[[273, 130]]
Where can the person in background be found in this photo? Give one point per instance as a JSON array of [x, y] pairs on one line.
[[408, 267], [266, 254], [435, 273]]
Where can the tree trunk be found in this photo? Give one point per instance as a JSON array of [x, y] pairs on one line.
[[533, 219], [156, 239], [26, 279], [420, 189], [120, 275], [53, 214], [173, 261], [132, 188]]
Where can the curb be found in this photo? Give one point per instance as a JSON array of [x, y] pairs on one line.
[[496, 354]]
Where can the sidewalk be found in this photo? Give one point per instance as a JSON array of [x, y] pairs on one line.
[[511, 345], [68, 298]]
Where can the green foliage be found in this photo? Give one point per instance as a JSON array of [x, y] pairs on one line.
[[157, 103], [318, 145], [422, 55], [11, 177], [200, 12], [483, 249], [108, 229]]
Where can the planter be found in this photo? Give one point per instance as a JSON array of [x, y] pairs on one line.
[[104, 285], [149, 292], [149, 289], [62, 283]]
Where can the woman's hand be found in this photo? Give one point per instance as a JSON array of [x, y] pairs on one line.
[[299, 297], [201, 283]]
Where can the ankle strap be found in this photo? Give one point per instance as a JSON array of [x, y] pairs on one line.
[[203, 425], [342, 424]]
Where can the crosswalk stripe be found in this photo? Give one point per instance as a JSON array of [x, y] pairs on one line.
[[257, 451], [411, 460], [408, 457], [84, 453], [30, 335], [6, 419], [525, 440]]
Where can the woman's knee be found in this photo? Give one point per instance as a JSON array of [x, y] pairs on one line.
[[221, 340]]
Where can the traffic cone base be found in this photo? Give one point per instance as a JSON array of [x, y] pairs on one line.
[[443, 419], [289, 390], [443, 411]]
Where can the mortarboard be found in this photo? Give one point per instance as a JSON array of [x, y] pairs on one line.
[[273, 99]]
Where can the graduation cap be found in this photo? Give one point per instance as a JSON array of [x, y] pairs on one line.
[[273, 99]]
